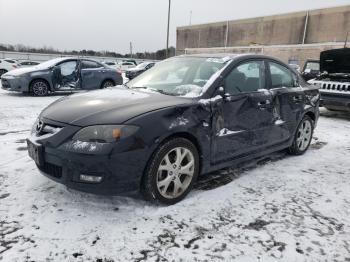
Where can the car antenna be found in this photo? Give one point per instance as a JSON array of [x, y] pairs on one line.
[[346, 40]]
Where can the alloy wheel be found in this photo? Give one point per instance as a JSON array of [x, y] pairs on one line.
[[2, 71], [107, 84], [40, 88], [175, 172], [304, 135]]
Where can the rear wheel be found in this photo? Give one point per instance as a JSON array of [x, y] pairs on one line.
[[303, 136], [39, 88], [172, 171], [2, 71], [107, 83]]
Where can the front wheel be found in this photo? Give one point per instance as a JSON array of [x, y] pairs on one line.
[[171, 172], [2, 71], [303, 136], [39, 88]]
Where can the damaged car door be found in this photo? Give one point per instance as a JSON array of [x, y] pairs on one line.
[[243, 120], [91, 73], [66, 75], [288, 100]]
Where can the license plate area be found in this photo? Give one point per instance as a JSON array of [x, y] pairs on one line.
[[36, 152]]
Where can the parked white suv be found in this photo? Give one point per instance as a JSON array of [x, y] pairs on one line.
[[7, 65]]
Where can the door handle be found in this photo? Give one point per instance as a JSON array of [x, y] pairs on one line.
[[297, 98]]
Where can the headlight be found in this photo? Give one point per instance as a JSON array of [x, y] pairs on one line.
[[104, 133]]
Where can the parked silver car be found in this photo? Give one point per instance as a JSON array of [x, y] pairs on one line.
[[61, 74]]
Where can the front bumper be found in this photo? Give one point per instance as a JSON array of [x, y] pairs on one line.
[[121, 167], [121, 173], [14, 84], [335, 100]]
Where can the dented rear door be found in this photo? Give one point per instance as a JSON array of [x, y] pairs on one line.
[[243, 121]]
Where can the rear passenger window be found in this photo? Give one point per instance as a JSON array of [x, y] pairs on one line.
[[89, 64], [247, 77], [281, 76]]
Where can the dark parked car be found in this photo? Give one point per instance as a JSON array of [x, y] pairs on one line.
[[188, 115], [311, 69], [334, 80], [28, 64], [61, 74], [138, 70]]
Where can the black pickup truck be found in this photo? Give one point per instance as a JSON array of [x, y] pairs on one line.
[[334, 80]]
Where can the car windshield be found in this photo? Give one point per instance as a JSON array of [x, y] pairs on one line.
[[180, 76], [313, 66], [50, 63]]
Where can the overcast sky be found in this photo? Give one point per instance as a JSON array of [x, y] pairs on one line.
[[112, 24]]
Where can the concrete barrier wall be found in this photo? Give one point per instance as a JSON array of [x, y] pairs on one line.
[[287, 53], [44, 57], [324, 25]]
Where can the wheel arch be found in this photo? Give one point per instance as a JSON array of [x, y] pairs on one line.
[[36, 79], [311, 114], [180, 134], [107, 79]]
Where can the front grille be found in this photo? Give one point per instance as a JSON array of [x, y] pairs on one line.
[[51, 170], [332, 86]]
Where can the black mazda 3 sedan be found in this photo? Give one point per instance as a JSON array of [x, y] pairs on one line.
[[188, 115]]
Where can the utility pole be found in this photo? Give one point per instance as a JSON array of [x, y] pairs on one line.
[[130, 49], [167, 36], [346, 40], [191, 17]]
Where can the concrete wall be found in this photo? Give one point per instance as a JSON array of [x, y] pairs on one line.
[[324, 25], [39, 57], [286, 53]]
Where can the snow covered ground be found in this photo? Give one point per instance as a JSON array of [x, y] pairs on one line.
[[282, 209]]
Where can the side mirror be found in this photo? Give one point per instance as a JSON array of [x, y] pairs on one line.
[[296, 82]]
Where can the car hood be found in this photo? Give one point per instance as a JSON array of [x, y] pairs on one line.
[[21, 71], [335, 61], [108, 106]]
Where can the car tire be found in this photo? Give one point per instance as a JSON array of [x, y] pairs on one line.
[[39, 88], [171, 172], [2, 71], [302, 137], [107, 83]]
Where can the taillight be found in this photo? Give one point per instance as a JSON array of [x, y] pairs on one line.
[[14, 66], [119, 71]]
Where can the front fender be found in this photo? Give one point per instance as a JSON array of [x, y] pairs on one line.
[[46, 75], [190, 121]]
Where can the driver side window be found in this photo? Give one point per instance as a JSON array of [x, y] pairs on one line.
[[67, 68], [247, 77]]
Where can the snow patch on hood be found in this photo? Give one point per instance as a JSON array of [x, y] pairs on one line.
[[188, 90]]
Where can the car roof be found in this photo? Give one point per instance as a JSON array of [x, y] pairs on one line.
[[231, 56], [213, 55]]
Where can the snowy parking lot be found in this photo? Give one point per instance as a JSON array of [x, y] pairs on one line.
[[280, 208]]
